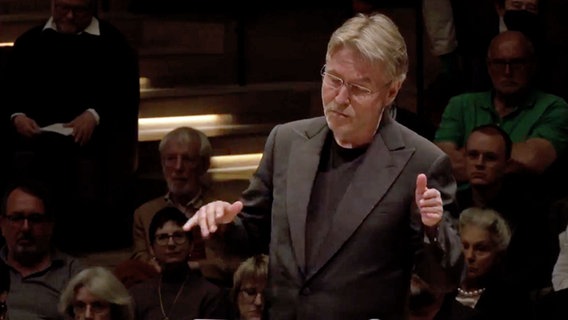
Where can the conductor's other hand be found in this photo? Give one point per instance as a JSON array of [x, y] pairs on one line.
[[212, 214], [429, 202]]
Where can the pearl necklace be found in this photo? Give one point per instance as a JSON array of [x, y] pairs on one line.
[[472, 292]]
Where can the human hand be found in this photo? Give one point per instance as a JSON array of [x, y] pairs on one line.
[[83, 127], [25, 126], [429, 202], [210, 215]]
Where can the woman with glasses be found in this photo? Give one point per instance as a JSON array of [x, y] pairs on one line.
[[179, 292], [95, 293], [249, 282]]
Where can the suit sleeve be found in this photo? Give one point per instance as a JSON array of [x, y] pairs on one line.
[[440, 262], [140, 251], [253, 223]]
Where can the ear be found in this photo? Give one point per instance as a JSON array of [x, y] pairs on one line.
[[392, 92]]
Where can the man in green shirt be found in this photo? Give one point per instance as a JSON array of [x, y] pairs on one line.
[[536, 122]]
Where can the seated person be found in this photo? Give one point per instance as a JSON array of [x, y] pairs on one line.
[[77, 71], [95, 293], [248, 287], [536, 122], [179, 292], [487, 156], [427, 304], [485, 237], [185, 155], [37, 268]]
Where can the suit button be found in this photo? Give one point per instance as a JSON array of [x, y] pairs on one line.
[[305, 291]]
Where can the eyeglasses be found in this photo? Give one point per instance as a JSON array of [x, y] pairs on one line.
[[172, 161], [97, 307], [501, 65], [521, 5], [250, 294], [162, 239], [335, 82], [3, 310], [64, 9], [34, 218]]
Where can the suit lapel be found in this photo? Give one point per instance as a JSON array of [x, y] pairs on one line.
[[383, 162], [304, 161]]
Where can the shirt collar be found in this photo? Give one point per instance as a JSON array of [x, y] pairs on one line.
[[528, 102], [93, 27], [195, 203]]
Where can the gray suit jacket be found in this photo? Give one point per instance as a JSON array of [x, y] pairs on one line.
[[376, 238]]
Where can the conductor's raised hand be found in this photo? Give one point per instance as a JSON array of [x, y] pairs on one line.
[[209, 216], [429, 202]]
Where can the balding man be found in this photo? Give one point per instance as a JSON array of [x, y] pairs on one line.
[[536, 122]]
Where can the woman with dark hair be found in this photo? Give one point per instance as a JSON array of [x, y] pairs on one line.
[[179, 292]]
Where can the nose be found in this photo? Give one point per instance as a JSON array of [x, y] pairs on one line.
[[342, 94], [469, 255], [508, 69], [88, 312], [26, 224], [179, 163], [479, 161], [69, 14], [258, 299]]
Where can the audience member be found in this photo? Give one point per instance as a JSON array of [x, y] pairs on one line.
[[179, 292], [536, 122], [185, 158], [73, 94], [427, 304], [95, 293], [324, 186], [487, 155], [477, 22], [249, 283], [485, 236], [4, 290], [38, 272]]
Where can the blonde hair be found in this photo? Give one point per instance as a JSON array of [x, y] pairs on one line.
[[104, 285], [377, 39]]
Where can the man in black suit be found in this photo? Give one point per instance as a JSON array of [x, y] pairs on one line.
[[342, 201]]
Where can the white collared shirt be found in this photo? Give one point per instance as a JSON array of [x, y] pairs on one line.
[[92, 28]]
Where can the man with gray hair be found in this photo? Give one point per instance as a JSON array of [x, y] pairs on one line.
[[185, 155], [348, 205]]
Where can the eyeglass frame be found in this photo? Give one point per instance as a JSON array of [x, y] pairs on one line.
[[168, 236], [171, 160], [516, 64], [97, 307], [249, 296], [366, 91], [33, 219]]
